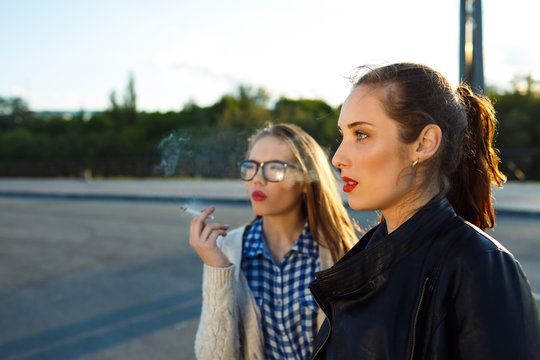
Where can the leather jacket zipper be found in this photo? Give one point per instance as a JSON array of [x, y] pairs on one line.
[[320, 347], [418, 308], [314, 355]]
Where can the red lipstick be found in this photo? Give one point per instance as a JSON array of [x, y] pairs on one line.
[[350, 184], [258, 195]]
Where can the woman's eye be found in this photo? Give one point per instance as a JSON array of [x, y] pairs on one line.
[[360, 135]]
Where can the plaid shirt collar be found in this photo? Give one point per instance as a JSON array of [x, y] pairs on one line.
[[256, 246]]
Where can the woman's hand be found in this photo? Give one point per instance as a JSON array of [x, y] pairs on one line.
[[203, 236]]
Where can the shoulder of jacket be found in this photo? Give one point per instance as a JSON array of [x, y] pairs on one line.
[[473, 239], [465, 245]]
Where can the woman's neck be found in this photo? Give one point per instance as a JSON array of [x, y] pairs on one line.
[[397, 215], [281, 232]]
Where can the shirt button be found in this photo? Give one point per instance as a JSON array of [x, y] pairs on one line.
[[279, 302], [283, 333]]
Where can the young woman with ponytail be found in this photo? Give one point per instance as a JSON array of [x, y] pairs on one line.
[[427, 282]]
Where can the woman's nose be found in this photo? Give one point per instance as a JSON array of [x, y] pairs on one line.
[[339, 160], [259, 177]]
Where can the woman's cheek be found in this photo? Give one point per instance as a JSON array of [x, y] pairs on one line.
[[289, 184]]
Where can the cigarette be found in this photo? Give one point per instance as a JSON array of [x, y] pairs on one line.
[[195, 212]]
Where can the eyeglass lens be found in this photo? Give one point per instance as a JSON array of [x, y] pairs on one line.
[[272, 171]]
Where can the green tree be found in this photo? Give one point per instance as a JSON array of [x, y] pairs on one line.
[[315, 116], [130, 101], [246, 109], [125, 113], [13, 111], [518, 112], [525, 84], [115, 110]]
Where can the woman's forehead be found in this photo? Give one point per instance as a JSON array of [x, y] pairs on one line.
[[361, 104], [271, 148]]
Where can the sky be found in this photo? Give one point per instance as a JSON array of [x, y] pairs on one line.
[[62, 55]]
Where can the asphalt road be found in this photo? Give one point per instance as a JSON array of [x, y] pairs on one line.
[[83, 279]]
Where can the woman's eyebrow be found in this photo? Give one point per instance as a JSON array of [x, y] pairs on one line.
[[356, 123]]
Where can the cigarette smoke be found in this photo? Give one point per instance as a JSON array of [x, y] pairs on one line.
[[205, 152], [171, 149]]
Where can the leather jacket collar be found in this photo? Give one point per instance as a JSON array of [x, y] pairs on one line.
[[377, 258]]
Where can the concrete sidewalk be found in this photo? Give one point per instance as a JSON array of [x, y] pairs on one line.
[[157, 190], [514, 197]]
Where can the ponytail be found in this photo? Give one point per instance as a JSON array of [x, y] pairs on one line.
[[470, 183]]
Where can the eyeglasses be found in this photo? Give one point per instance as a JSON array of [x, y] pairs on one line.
[[273, 171]]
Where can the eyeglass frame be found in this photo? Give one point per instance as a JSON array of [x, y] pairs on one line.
[[260, 165]]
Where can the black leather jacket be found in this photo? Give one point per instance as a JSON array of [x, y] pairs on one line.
[[435, 288]]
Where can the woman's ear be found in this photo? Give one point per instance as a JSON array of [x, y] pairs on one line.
[[428, 142]]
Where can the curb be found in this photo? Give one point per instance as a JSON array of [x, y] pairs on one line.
[[121, 197], [517, 212]]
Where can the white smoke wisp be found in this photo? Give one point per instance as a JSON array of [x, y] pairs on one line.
[[171, 148]]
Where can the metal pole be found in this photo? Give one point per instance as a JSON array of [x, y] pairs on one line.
[[463, 73], [478, 50], [471, 57]]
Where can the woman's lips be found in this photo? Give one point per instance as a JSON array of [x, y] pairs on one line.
[[350, 184], [258, 195]]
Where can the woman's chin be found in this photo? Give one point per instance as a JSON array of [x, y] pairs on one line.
[[357, 205]]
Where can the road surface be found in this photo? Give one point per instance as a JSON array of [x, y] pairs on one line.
[[84, 279]]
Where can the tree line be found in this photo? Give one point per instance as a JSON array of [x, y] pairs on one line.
[[209, 141]]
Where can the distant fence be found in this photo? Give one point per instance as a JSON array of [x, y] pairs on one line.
[[133, 167], [218, 166], [517, 164]]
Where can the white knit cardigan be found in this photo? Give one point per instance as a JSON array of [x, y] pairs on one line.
[[230, 323]]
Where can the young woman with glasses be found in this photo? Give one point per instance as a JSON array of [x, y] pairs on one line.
[[427, 282], [256, 299]]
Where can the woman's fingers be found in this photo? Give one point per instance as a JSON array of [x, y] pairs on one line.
[[206, 247], [200, 231], [207, 212], [203, 239], [198, 223], [210, 229]]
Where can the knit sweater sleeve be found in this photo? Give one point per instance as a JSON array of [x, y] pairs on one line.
[[217, 336]]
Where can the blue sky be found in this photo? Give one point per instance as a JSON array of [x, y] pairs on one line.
[[68, 55]]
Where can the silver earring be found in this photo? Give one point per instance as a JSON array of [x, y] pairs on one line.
[[414, 163]]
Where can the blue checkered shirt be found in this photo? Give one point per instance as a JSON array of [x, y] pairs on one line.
[[289, 312]]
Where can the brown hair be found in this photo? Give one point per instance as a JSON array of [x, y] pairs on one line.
[[330, 224], [466, 163]]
